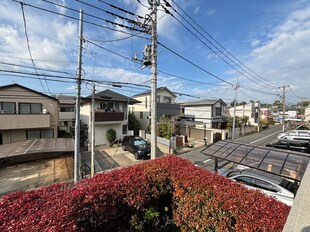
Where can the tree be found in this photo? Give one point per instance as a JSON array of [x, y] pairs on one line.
[[133, 123], [111, 136], [244, 120], [229, 122], [277, 103], [165, 127]]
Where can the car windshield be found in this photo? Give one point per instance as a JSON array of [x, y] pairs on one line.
[[139, 142]]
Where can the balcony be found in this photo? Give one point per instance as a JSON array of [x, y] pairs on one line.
[[109, 116], [24, 121]]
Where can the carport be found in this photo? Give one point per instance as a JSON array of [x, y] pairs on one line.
[[29, 150], [288, 164]]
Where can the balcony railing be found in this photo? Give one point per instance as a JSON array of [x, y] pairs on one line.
[[109, 116], [24, 121]]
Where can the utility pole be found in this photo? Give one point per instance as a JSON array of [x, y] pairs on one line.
[[283, 107], [234, 117], [92, 156], [154, 4], [77, 105]]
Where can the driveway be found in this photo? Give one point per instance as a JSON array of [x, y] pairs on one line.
[[34, 174]]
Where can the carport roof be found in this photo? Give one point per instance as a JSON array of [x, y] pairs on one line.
[[36, 146], [284, 163]]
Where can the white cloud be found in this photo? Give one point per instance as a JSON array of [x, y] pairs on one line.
[[60, 9], [255, 43], [285, 57]]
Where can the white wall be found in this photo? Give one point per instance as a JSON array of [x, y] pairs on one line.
[[201, 113], [100, 133]]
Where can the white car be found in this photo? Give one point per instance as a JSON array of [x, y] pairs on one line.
[[295, 135], [269, 184]]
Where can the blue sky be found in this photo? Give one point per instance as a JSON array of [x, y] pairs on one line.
[[271, 38]]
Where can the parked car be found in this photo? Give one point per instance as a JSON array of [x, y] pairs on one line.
[[295, 135], [270, 184], [137, 146], [294, 145]]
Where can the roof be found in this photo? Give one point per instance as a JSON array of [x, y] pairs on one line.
[[285, 163], [66, 100], [148, 92], [25, 88], [203, 102], [26, 147], [108, 95]]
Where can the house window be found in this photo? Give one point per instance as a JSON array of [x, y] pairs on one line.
[[218, 111], [141, 115], [116, 105], [30, 108], [145, 102], [7, 107], [66, 109], [157, 98], [37, 134], [103, 105], [167, 99], [110, 105], [124, 129]]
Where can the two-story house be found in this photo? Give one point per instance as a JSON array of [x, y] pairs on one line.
[[210, 113], [111, 111], [166, 106], [66, 112], [250, 110], [26, 114]]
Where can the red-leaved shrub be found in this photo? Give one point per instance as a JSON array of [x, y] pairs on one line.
[[126, 199]]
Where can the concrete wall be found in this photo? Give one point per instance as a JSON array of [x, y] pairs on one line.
[[100, 133], [299, 217]]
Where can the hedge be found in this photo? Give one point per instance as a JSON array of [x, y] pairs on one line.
[[168, 193]]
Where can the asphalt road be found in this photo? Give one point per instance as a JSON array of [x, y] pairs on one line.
[[262, 138], [259, 139]]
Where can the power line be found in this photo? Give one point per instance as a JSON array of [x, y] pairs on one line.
[[187, 79], [74, 78], [111, 13], [220, 56], [77, 19], [39, 60], [25, 66], [195, 65], [120, 9], [105, 20], [168, 5], [28, 46]]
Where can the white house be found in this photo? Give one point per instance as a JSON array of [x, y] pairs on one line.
[[210, 113], [166, 106], [111, 111], [251, 110], [307, 114]]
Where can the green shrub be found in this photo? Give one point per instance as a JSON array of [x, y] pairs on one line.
[[111, 136]]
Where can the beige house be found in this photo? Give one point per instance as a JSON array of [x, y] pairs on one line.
[[26, 114], [111, 111], [166, 106]]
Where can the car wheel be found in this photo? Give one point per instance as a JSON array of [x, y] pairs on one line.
[[124, 148], [136, 155]]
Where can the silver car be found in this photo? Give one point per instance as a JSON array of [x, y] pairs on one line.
[[270, 184]]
